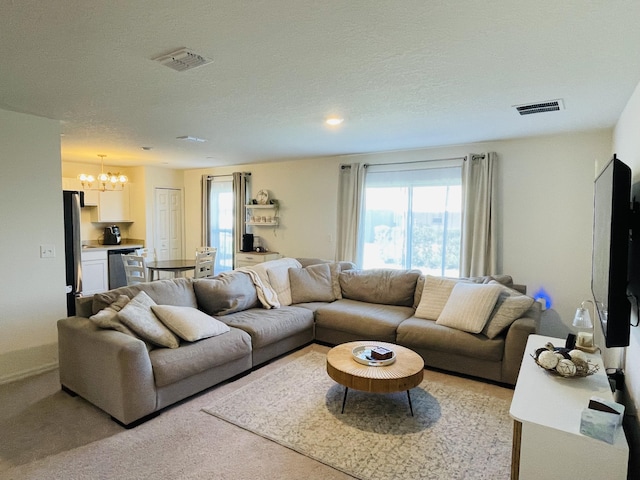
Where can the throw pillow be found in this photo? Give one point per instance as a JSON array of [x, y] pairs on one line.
[[189, 323], [137, 315], [227, 293], [511, 305], [435, 293], [107, 318], [311, 284], [469, 306]]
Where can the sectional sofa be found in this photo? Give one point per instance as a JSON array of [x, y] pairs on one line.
[[135, 350]]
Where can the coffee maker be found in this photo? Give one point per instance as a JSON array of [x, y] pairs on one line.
[[112, 235]]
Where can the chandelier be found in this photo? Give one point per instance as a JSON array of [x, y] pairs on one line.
[[104, 179]]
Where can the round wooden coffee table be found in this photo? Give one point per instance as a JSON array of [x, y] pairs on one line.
[[403, 374]]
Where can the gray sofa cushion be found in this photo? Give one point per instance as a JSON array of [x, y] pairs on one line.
[[174, 291], [269, 326], [380, 285], [428, 335], [312, 284], [226, 293], [362, 318], [172, 365]]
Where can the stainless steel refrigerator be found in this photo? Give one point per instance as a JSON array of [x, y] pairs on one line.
[[73, 201]]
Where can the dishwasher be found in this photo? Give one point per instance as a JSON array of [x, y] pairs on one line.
[[117, 277]]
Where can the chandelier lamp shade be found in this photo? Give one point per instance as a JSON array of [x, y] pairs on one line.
[[103, 179]]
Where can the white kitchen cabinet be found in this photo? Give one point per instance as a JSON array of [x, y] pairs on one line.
[[248, 259], [113, 206], [95, 272]]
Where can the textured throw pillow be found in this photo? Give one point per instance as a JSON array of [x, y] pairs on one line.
[[469, 306], [189, 323], [227, 293], [137, 315], [311, 284], [435, 294], [107, 318], [511, 305]]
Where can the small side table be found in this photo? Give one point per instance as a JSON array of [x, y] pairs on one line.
[[404, 374]]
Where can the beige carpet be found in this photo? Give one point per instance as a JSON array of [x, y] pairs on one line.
[[48, 434], [454, 434]]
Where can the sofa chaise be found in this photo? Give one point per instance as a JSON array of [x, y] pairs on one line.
[[135, 350]]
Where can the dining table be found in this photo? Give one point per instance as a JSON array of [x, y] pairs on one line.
[[177, 267]]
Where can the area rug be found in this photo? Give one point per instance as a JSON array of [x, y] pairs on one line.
[[454, 433]]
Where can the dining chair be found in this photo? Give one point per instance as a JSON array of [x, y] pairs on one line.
[[205, 261], [134, 268]]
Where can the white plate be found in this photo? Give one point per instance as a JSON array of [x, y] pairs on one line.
[[362, 354], [262, 197]]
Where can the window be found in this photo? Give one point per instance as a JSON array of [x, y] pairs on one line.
[[220, 221], [412, 218]]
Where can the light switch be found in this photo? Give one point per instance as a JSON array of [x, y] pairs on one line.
[[47, 251]]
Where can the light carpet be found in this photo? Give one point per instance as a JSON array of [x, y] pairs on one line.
[[454, 433]]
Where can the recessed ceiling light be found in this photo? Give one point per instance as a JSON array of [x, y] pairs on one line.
[[333, 121]]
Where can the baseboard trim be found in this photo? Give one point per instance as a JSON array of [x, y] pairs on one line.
[[13, 377]]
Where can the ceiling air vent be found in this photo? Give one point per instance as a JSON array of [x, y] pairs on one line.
[[540, 107], [182, 60]]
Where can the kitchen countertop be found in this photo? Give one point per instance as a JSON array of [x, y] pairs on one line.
[[96, 247]]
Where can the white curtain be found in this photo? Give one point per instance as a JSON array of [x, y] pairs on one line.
[[349, 205], [478, 249]]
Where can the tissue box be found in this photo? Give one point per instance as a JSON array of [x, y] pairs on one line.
[[601, 419]]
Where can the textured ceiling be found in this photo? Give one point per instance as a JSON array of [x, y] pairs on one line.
[[404, 74]]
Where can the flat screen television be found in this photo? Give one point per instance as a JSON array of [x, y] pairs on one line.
[[611, 251]]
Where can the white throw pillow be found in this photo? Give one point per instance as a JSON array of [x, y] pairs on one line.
[[469, 306], [511, 305], [137, 315], [189, 323], [435, 294]]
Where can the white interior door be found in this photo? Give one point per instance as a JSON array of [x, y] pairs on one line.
[[168, 224]]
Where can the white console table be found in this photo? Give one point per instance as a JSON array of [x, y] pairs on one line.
[[546, 409]]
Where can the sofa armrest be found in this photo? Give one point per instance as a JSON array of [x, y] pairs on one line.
[[516, 341], [110, 369]]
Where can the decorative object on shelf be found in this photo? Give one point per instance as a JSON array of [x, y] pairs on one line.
[[363, 354], [564, 362], [113, 179], [582, 319], [263, 197], [255, 217]]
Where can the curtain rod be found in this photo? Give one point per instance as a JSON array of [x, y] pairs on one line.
[[246, 174], [416, 161]]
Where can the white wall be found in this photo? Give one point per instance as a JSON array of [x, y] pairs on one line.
[[626, 144], [32, 289], [545, 187]]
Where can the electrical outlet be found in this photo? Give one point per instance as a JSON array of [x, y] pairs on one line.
[[47, 251]]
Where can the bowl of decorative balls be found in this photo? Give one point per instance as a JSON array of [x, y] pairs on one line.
[[564, 362]]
